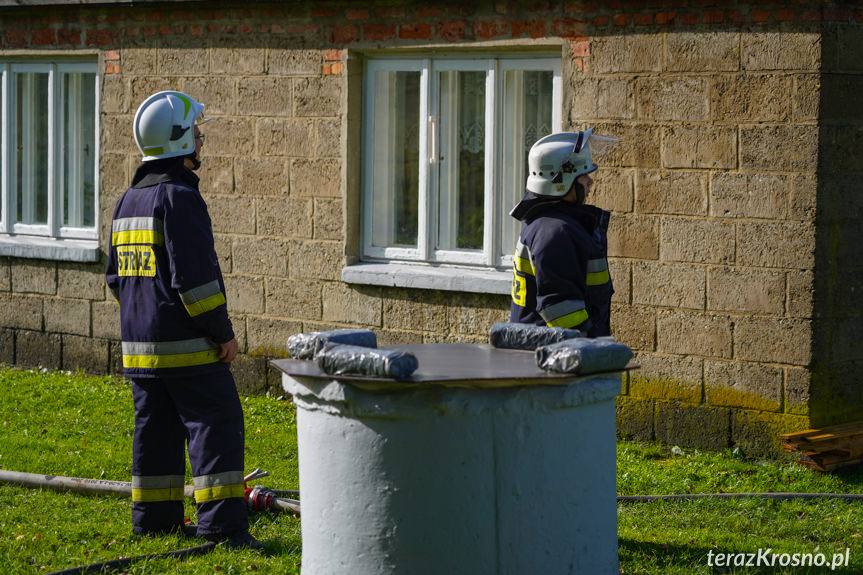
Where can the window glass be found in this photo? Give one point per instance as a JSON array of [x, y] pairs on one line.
[[395, 193], [78, 148], [31, 147], [461, 160]]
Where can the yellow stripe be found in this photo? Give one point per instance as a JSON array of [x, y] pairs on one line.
[[598, 278], [206, 304], [150, 495], [523, 265], [219, 492], [570, 320], [173, 360], [137, 237]]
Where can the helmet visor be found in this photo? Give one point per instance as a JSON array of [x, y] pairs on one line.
[[600, 145]]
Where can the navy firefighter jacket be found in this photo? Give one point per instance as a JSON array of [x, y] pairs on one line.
[[163, 270], [560, 269]]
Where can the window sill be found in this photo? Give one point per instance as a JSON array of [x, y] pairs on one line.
[[447, 278], [50, 248]]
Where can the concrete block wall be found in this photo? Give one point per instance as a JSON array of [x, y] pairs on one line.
[[732, 233]]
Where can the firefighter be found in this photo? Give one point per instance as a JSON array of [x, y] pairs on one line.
[[560, 268], [177, 339]]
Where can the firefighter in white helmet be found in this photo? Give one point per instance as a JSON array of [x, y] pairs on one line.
[[177, 339], [560, 268]]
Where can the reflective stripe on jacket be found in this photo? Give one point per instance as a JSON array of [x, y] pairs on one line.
[[163, 270], [560, 270]]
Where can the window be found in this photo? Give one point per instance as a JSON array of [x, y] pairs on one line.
[[445, 147], [49, 150]]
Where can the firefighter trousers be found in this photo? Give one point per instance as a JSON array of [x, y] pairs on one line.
[[205, 412]]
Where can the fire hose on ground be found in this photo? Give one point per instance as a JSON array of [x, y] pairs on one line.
[[258, 498]]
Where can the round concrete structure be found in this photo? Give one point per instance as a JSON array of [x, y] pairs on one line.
[[482, 464]]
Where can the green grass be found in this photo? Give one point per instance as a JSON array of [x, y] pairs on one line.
[[70, 424]]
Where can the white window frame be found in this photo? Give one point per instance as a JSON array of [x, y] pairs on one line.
[[51, 240], [491, 256]]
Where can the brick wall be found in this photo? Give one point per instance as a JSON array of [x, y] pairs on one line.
[[733, 240]]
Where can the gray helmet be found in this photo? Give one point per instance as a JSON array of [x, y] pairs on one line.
[[557, 160], [164, 125]]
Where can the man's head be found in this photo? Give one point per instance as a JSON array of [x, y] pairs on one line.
[[165, 127]]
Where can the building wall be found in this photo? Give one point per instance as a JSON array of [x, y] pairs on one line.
[[731, 237]]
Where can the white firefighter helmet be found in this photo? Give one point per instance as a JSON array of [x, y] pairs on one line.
[[555, 161], [164, 125]]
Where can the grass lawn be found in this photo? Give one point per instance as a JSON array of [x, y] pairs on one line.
[[69, 424]]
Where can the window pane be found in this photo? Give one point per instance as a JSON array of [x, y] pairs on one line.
[[527, 117], [395, 192], [461, 160], [31, 147], [78, 147]]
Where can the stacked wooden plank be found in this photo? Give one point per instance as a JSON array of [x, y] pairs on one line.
[[828, 448]]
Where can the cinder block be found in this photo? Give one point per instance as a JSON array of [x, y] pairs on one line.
[[702, 51], [663, 192], [21, 311], [106, 319], [691, 333], [634, 418], [746, 290], [697, 241], [750, 98], [329, 219], [115, 96], [784, 50], [749, 196], [231, 214], [801, 294], [691, 146], [294, 299], [223, 252], [797, 386], [251, 374], [256, 255], [689, 425], [322, 260], [290, 137], [415, 310], [66, 315], [230, 136], [115, 358], [179, 57], [672, 98], [634, 53], [606, 98], [738, 384], [788, 245], [230, 55], [5, 275], [779, 148], [805, 97], [7, 345], [669, 285], [85, 353], [317, 96], [268, 336], [386, 337], [216, 93], [633, 237], [667, 377], [328, 138], [638, 146], [621, 279], [268, 96], [757, 432], [38, 349], [319, 178], [286, 217], [286, 60], [474, 314], [217, 175], [613, 190], [139, 55], [81, 281], [772, 340], [262, 176], [634, 327], [34, 276], [351, 304], [245, 294]]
